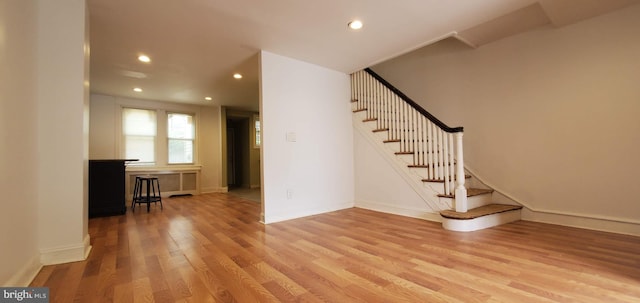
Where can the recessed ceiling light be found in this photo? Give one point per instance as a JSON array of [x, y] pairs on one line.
[[237, 76], [355, 24], [144, 58], [207, 98], [137, 89]]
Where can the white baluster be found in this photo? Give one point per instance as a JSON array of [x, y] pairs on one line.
[[430, 150], [374, 113], [461, 191], [419, 143], [379, 92], [403, 128], [387, 111], [440, 152], [446, 176], [412, 133], [395, 117], [452, 168], [369, 96]]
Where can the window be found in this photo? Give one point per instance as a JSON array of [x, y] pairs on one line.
[[257, 136], [139, 130], [181, 135]]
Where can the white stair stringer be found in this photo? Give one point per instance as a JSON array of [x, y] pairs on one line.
[[423, 189]]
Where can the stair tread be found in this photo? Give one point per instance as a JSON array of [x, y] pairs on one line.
[[370, 120], [359, 110], [481, 211], [471, 192], [380, 130], [442, 180], [424, 165], [391, 141], [404, 153]]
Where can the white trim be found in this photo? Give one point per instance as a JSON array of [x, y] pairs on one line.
[[627, 228], [209, 190], [26, 274], [401, 211], [572, 219], [171, 168], [66, 254], [164, 170]]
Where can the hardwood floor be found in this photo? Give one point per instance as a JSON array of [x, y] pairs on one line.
[[210, 248]]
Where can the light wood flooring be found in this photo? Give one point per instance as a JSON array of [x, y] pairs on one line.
[[211, 248]]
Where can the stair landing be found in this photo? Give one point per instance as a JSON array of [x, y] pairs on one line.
[[481, 217], [479, 211]]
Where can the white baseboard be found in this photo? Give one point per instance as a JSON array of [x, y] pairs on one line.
[[209, 190], [25, 275], [254, 186], [66, 254], [586, 221], [300, 213], [401, 211], [581, 221]]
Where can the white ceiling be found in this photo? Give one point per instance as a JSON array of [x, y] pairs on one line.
[[196, 45]]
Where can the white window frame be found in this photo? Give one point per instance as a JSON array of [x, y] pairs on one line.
[[256, 127], [193, 140]]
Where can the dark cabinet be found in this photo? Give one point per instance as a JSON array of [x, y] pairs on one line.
[[107, 187]]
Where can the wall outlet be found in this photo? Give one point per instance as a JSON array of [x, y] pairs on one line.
[[291, 137], [289, 194]]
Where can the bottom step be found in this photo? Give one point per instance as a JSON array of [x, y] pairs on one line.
[[480, 218]]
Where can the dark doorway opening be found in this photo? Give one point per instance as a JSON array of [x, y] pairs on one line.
[[238, 162]]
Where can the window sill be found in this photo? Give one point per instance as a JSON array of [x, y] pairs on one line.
[[176, 167]]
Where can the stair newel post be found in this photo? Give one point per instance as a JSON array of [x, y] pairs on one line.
[[461, 190]]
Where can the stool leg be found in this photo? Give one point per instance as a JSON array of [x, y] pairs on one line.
[[159, 194], [148, 197], [136, 193]]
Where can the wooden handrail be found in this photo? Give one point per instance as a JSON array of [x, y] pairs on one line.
[[415, 105]]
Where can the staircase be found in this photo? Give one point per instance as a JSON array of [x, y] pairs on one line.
[[427, 152]]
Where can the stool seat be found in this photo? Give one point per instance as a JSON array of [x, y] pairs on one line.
[[148, 196]]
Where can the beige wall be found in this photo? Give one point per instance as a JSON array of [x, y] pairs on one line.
[[62, 129], [43, 129], [19, 147], [550, 116], [104, 136], [315, 172], [210, 154]]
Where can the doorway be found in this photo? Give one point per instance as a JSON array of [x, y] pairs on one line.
[[238, 153], [241, 157]]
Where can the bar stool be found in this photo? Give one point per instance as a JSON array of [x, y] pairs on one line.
[[152, 193]]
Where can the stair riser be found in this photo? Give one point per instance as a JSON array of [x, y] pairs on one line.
[[479, 200], [360, 115], [439, 186], [408, 159], [393, 146], [481, 222], [472, 202], [424, 173], [381, 135]]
